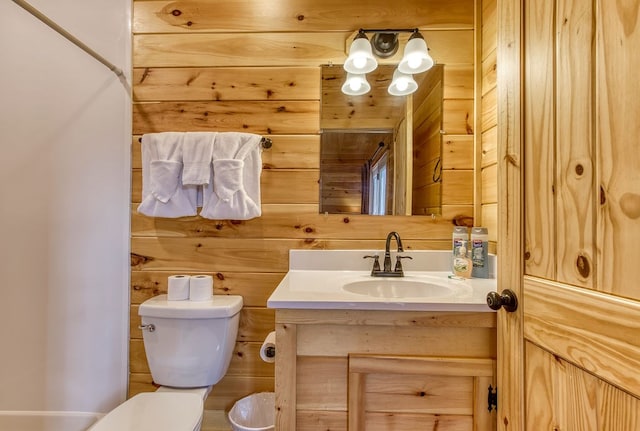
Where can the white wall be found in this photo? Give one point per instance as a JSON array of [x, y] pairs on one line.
[[65, 135]]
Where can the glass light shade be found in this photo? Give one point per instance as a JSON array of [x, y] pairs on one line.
[[356, 85], [360, 58], [416, 57], [402, 84]]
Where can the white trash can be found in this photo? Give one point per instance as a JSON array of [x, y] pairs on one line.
[[255, 412]]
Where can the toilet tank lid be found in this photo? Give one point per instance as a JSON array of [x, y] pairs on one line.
[[219, 306]]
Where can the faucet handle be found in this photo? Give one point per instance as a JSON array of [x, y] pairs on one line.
[[399, 258], [376, 262]]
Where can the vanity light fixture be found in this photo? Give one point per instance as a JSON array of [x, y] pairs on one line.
[[360, 58], [356, 84], [384, 43], [402, 84], [416, 57]]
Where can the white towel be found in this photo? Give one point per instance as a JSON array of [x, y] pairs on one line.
[[197, 149], [234, 190], [163, 194]]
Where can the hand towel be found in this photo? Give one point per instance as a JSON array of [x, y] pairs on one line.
[[197, 149], [163, 194], [234, 190]]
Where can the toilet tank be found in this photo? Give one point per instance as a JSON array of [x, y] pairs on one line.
[[192, 342]]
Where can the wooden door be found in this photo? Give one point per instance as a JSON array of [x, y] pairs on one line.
[[568, 131]]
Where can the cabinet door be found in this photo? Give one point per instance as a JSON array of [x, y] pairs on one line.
[[417, 393]]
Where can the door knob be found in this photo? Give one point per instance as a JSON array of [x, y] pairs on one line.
[[506, 299]]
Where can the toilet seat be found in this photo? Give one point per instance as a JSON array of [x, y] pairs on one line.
[[155, 411]]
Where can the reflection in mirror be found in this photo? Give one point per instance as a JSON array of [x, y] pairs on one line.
[[356, 172], [380, 154]]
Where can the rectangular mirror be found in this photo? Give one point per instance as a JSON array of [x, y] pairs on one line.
[[381, 154]]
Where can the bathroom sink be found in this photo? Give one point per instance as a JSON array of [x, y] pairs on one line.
[[398, 288]]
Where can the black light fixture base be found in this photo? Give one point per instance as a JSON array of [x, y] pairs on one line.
[[385, 45]]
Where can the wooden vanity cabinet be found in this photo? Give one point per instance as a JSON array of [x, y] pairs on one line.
[[384, 370]]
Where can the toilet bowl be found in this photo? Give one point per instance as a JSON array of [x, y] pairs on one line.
[[189, 345]]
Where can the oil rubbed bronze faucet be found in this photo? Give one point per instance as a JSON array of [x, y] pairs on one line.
[[386, 267]]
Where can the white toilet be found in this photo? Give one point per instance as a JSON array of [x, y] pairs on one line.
[[189, 345]]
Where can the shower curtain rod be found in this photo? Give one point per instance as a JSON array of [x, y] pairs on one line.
[[71, 38]]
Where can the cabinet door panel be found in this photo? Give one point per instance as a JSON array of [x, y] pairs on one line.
[[409, 392]]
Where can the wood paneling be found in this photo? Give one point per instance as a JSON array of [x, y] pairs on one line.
[[457, 187], [417, 392], [295, 222], [218, 65], [261, 117], [313, 420], [328, 393], [232, 83], [488, 141], [574, 192], [489, 27], [539, 109], [458, 117], [490, 184], [594, 331], [489, 147], [427, 121], [162, 16], [255, 287], [509, 214], [579, 132], [489, 72], [617, 186], [457, 152], [276, 49], [458, 82], [317, 340], [441, 319], [569, 398]]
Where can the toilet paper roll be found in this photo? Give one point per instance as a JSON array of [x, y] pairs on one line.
[[200, 288], [178, 288], [268, 349]]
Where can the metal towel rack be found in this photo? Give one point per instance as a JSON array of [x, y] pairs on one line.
[[265, 142]]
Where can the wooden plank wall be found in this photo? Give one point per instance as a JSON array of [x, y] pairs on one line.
[[488, 128], [250, 66], [582, 182], [426, 196], [458, 128]]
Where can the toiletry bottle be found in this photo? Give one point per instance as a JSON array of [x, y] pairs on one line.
[[462, 265], [459, 235], [479, 252]]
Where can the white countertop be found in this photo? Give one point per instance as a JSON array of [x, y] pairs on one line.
[[316, 279]]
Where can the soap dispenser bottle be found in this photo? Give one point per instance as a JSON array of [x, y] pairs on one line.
[[460, 236], [462, 264], [479, 252]]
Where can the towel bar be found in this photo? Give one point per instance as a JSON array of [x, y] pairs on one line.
[[265, 142]]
